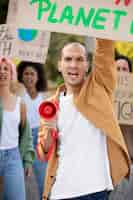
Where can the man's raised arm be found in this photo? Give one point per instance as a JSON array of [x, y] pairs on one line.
[[104, 63]]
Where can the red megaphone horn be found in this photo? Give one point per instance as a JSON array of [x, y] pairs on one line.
[[48, 109]]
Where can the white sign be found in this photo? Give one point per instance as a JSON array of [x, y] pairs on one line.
[[32, 45], [124, 99], [98, 18], [28, 45]]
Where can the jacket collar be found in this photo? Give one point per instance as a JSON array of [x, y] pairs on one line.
[[61, 88]]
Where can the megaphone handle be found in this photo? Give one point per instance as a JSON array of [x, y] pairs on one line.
[[54, 135]]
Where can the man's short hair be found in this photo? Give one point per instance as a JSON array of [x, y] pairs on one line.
[[74, 44]]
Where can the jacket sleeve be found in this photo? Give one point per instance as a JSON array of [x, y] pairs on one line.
[[26, 145], [104, 64]]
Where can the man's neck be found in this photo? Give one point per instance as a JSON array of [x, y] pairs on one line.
[[75, 89]]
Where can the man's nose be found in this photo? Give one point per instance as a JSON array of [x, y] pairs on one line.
[[73, 63]]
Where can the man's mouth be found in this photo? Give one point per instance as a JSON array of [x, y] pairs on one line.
[[73, 74]]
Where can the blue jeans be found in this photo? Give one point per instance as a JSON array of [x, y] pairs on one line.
[[11, 169], [103, 195], [38, 166]]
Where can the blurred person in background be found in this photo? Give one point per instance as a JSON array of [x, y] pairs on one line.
[[123, 191], [32, 75], [16, 145], [123, 64]]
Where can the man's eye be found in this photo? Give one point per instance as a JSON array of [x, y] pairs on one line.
[[80, 59], [68, 59]]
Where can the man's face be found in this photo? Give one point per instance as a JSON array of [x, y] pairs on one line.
[[73, 64], [122, 65]]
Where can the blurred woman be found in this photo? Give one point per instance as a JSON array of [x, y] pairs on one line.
[[32, 75], [16, 151]]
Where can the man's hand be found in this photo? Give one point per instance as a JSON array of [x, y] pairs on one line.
[[50, 124]]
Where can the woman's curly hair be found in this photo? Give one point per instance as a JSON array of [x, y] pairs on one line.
[[41, 85]]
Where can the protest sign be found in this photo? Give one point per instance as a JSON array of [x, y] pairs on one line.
[[7, 35], [24, 44], [98, 18], [124, 98], [29, 44]]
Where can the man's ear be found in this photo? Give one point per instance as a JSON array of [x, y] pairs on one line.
[[87, 69], [87, 66], [59, 66]]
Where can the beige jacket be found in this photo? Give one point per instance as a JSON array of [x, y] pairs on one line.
[[95, 102]]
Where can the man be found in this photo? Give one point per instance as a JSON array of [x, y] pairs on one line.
[[90, 155]]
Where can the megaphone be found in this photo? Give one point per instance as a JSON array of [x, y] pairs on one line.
[[48, 110]]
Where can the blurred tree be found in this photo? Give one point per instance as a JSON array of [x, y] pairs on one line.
[[125, 48]]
